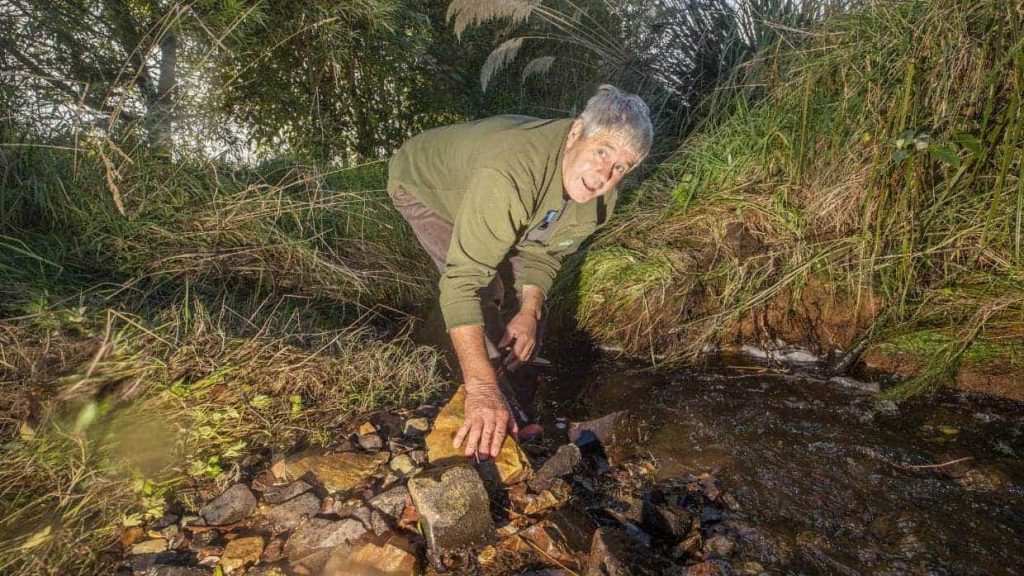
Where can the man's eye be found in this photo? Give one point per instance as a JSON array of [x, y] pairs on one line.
[[602, 152], [620, 168]]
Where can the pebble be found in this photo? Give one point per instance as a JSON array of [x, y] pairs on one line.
[[240, 553], [234, 505], [154, 546]]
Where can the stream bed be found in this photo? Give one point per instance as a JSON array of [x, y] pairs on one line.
[[826, 480]]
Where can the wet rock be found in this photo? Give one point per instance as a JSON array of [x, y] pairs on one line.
[[416, 427], [574, 526], [371, 559], [319, 534], [234, 505], [274, 550], [545, 538], [154, 546], [564, 461], [266, 571], [290, 514], [720, 545], [690, 546], [610, 554], [240, 553], [664, 519], [710, 487], [617, 434], [152, 563], [205, 538], [511, 465], [277, 495], [555, 496], [337, 472], [453, 507], [856, 385], [419, 457], [402, 464]]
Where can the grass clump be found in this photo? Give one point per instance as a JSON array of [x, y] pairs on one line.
[[166, 327], [876, 154]]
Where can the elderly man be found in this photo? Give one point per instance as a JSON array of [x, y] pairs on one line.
[[498, 204]]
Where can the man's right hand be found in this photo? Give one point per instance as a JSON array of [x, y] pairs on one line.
[[487, 421]]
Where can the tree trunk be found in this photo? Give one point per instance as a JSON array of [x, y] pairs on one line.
[[160, 112]]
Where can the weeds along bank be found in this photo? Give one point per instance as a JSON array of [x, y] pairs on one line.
[[859, 179], [163, 325]]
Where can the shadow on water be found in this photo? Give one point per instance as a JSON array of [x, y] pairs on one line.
[[828, 481]]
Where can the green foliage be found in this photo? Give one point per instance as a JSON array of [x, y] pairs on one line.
[[878, 150]]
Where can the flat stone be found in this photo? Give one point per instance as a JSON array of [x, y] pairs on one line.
[[337, 472], [319, 534], [386, 560], [240, 553], [391, 502], [234, 505], [453, 507], [720, 545], [557, 494], [402, 464], [284, 493], [609, 554], [266, 571], [290, 514], [416, 427], [154, 546], [564, 461], [511, 465], [707, 568], [664, 519], [370, 442]]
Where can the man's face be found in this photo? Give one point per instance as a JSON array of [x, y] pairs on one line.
[[593, 166]]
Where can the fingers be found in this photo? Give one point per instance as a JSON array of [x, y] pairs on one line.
[[486, 437], [523, 348], [506, 338], [473, 441], [461, 434], [497, 440]]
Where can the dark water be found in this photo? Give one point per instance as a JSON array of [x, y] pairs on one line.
[[828, 482]]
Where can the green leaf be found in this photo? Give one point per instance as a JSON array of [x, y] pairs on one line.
[[86, 416], [969, 142], [944, 155]]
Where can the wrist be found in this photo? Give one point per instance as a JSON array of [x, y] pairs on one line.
[[478, 384]]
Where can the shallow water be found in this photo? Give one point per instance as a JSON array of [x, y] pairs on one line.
[[828, 482]]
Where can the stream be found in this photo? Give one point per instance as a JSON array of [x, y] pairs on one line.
[[826, 480]]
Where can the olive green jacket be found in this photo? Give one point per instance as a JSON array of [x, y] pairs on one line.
[[499, 181]]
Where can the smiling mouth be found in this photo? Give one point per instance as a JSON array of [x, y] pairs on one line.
[[587, 186]]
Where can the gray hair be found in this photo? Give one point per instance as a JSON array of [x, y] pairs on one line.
[[617, 111]]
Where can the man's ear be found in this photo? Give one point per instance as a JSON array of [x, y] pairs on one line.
[[574, 132]]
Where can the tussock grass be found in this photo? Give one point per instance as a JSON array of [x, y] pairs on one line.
[[878, 153], [167, 326]]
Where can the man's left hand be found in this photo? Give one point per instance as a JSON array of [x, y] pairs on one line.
[[520, 338]]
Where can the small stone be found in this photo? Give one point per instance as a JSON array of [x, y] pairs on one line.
[[337, 472], [367, 428], [512, 465], [234, 505], [709, 486], [281, 494], [403, 465], [266, 571], [273, 551], [386, 560], [370, 442], [154, 546], [416, 427], [240, 553], [663, 519], [419, 457], [205, 538], [564, 461], [391, 502], [720, 545], [175, 571], [453, 507], [708, 568], [319, 533], [609, 554], [290, 514], [555, 496]]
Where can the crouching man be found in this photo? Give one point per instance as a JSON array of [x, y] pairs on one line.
[[498, 204]]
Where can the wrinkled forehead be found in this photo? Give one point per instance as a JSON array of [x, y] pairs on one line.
[[618, 142]]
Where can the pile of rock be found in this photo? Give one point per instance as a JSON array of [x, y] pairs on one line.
[[398, 499]]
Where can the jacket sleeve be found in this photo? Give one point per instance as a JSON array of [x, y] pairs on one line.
[[490, 218]]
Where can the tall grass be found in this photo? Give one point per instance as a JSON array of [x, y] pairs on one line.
[[165, 327], [879, 152]]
